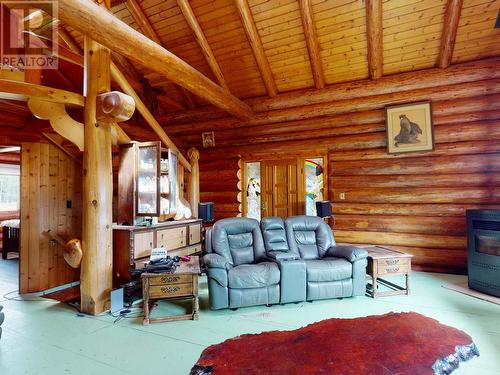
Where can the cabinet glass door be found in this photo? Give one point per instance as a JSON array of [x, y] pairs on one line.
[[148, 174]]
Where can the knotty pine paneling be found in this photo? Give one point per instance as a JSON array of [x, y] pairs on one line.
[[49, 178], [411, 202]]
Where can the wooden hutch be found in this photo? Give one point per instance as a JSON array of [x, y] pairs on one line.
[[149, 187]]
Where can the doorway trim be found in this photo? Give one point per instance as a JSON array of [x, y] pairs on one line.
[[300, 157]]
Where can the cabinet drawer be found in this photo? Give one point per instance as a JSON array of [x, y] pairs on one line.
[[172, 290], [186, 251], [384, 269], [171, 238], [194, 234], [170, 279], [142, 244]]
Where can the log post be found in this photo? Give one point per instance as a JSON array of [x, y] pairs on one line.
[[96, 268], [194, 180]]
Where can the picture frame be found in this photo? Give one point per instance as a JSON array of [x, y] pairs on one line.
[[409, 128], [208, 139]]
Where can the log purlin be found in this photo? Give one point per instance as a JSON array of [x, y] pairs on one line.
[[410, 202]]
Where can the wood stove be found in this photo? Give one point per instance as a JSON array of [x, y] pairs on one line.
[[483, 250]]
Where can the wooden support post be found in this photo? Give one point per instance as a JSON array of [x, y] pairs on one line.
[[374, 37], [312, 42], [194, 180], [449, 34], [97, 266]]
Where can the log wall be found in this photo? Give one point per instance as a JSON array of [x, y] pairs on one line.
[[49, 178], [413, 202]]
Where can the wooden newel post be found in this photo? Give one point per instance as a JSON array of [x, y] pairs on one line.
[[194, 180], [96, 268]]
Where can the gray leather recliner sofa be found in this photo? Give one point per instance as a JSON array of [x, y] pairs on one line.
[[279, 262], [239, 272]]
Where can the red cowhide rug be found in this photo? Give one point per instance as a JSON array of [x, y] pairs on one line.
[[394, 343]]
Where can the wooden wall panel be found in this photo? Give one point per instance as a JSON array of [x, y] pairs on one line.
[[49, 179], [412, 202]]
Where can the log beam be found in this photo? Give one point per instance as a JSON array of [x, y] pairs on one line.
[[144, 111], [190, 18], [256, 44], [306, 14], [449, 34], [88, 18], [374, 37], [97, 265], [15, 90]]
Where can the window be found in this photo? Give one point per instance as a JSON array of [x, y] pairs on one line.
[[314, 173], [9, 187], [252, 174]]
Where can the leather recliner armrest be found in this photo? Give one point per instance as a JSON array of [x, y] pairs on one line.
[[216, 261], [349, 252], [281, 255]]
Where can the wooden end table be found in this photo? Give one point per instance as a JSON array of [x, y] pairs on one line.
[[181, 284], [383, 262]]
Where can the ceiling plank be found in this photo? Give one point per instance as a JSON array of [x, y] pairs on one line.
[[312, 42], [449, 34], [188, 98], [140, 18], [256, 44], [147, 29], [190, 18], [15, 90], [374, 37], [87, 17]]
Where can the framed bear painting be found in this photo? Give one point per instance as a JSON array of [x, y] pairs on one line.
[[409, 128]]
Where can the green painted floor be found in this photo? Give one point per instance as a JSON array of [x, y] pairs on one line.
[[44, 337]]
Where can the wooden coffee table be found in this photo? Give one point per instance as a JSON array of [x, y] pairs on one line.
[[385, 262], [181, 284]]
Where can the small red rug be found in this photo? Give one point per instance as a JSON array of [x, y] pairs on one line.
[[394, 343]]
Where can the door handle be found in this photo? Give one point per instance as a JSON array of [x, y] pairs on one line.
[[264, 205]]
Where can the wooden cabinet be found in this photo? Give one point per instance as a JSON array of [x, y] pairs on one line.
[[132, 245], [171, 239], [147, 182], [194, 234], [142, 244]]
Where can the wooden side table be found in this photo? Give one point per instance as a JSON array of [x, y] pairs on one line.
[[383, 262], [181, 284]]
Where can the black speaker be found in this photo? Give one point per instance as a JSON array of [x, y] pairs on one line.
[[206, 211], [324, 209]]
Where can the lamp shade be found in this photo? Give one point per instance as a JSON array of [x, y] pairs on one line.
[[324, 208], [206, 211]]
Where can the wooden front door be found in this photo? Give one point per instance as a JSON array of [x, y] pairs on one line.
[[280, 190]]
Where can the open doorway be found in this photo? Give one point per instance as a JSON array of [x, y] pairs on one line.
[[284, 187], [10, 195]]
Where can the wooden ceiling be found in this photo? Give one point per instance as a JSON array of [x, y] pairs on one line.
[[261, 48], [411, 38]]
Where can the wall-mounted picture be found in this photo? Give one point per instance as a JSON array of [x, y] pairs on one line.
[[208, 139], [409, 128]]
